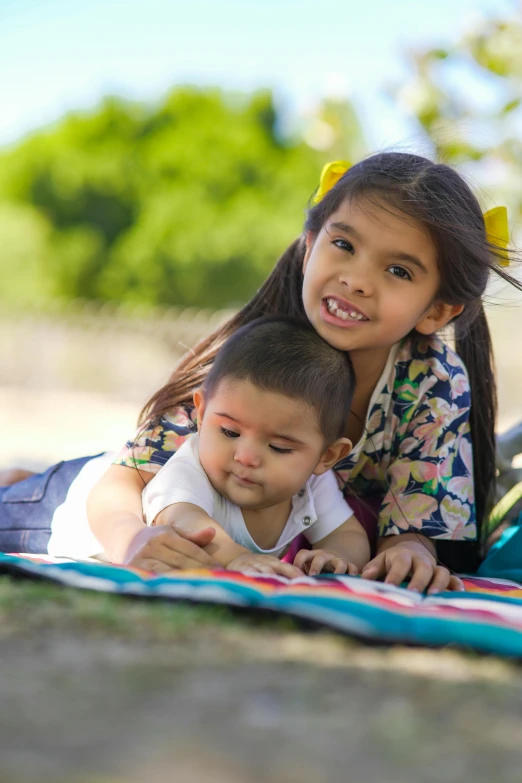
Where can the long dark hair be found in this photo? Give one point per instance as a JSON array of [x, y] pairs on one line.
[[437, 197]]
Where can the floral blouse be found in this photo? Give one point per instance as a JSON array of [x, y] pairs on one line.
[[415, 455]]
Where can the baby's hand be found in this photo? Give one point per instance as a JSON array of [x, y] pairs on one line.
[[313, 561], [263, 564]]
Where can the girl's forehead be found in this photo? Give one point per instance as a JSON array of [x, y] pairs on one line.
[[373, 209]]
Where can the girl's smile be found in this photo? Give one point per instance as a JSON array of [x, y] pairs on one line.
[[340, 312]]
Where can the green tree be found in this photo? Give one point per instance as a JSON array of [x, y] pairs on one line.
[[188, 202], [468, 99]]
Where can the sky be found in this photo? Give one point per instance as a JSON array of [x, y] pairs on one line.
[[62, 55]]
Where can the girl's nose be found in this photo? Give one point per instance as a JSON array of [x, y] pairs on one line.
[[247, 455], [356, 277]]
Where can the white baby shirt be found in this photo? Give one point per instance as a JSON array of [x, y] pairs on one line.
[[317, 510]]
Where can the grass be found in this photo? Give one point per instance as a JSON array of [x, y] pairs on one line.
[[29, 606]]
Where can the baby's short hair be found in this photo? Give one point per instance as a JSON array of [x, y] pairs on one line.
[[286, 355]]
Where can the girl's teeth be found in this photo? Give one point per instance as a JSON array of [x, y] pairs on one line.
[[343, 313]]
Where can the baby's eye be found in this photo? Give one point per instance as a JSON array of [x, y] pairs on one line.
[[400, 272], [343, 244], [229, 433], [279, 450]]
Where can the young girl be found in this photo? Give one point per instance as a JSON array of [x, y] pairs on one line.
[[394, 249], [271, 416]]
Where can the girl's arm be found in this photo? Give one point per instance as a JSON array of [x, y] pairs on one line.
[[114, 511], [345, 549]]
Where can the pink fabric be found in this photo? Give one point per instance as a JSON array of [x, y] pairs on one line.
[[367, 512]]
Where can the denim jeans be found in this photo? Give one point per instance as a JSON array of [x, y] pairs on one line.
[[27, 508]]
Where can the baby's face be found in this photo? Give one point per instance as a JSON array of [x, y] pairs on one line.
[[258, 448]]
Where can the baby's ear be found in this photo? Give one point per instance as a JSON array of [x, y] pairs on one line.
[[337, 451], [199, 404]]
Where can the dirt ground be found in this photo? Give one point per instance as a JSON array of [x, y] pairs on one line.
[[96, 689]]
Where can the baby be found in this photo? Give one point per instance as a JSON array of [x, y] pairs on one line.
[[271, 418]]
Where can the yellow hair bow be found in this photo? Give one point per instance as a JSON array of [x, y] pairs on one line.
[[497, 231], [330, 176]]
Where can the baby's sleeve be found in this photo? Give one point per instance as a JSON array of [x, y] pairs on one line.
[[331, 508], [430, 476], [155, 443], [179, 481]]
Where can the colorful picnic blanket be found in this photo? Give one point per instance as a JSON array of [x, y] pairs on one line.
[[487, 617]]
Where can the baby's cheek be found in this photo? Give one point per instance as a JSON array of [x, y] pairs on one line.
[[207, 457]]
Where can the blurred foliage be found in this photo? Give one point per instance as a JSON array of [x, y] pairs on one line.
[[185, 203], [468, 98]]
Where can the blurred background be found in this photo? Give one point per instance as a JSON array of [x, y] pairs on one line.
[[156, 158]]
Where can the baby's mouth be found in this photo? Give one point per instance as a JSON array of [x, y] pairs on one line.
[[244, 481], [347, 314]]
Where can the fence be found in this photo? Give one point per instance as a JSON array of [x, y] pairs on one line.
[[98, 348], [128, 354]]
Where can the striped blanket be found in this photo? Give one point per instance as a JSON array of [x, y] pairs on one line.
[[486, 618]]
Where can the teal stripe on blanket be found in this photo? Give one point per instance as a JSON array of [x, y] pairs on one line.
[[487, 617]]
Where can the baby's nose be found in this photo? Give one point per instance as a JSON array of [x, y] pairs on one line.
[[248, 456]]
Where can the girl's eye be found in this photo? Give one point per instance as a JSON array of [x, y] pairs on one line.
[[279, 450], [343, 244], [229, 433], [400, 272]]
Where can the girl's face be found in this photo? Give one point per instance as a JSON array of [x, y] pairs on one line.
[[370, 277]]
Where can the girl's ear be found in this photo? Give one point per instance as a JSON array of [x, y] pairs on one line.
[[438, 315], [199, 404], [309, 242], [338, 450]]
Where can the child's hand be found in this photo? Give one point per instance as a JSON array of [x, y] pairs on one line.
[[398, 562], [313, 561], [164, 548], [263, 564]]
